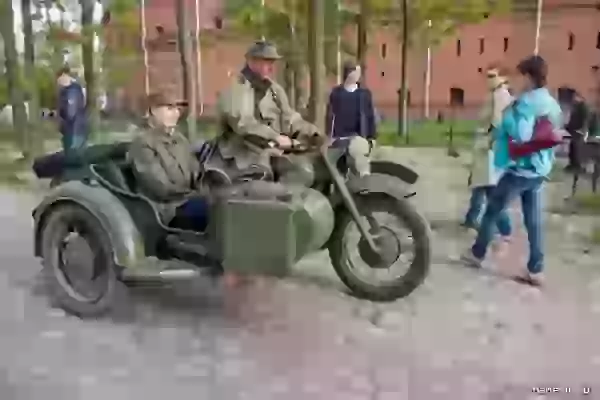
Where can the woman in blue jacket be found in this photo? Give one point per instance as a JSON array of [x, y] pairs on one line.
[[525, 176]]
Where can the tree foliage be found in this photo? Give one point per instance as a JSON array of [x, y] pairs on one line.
[[285, 22], [446, 17]]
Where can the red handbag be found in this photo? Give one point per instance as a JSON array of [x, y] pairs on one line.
[[544, 137]]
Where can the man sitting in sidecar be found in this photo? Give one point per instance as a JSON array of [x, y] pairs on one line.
[[165, 167]]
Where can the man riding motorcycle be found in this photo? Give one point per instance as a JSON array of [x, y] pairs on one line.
[[255, 114]]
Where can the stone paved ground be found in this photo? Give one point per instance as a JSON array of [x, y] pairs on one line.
[[464, 335]]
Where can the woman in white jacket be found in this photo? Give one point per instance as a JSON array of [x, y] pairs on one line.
[[483, 175]]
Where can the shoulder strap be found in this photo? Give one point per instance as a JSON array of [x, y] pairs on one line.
[[278, 103]]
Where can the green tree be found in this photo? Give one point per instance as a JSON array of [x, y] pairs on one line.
[[32, 92], [13, 74], [286, 23], [187, 67], [120, 33], [88, 30], [317, 63], [426, 23]]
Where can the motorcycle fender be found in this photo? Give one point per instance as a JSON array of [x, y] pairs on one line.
[[381, 183], [126, 240], [400, 171]]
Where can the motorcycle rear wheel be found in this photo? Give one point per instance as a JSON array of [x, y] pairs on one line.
[[405, 213]]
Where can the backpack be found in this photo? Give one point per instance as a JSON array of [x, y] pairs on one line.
[[544, 137]]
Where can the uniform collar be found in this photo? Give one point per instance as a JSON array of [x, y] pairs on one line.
[[255, 80], [162, 134]]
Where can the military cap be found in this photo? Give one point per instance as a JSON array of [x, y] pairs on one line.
[[263, 50], [164, 97]]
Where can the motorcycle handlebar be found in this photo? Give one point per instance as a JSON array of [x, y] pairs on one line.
[[312, 143]]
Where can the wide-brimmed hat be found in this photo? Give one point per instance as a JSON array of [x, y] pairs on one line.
[[263, 50], [164, 97]]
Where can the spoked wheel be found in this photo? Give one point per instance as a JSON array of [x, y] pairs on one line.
[[402, 259], [78, 263]]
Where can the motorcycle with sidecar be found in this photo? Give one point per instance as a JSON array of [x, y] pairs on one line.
[[95, 229]]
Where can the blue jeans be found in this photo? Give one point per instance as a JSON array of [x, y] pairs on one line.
[[479, 196], [193, 214], [509, 187], [73, 144]]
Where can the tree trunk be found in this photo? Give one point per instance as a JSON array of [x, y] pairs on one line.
[[317, 64], [362, 39], [56, 58], [14, 76], [288, 83], [403, 117], [32, 90], [184, 46], [299, 88], [89, 64]]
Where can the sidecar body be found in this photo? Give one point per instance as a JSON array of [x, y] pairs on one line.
[[259, 231]]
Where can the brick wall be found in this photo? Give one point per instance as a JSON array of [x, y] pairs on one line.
[[504, 40]]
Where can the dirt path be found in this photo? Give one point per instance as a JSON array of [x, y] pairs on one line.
[[464, 335]]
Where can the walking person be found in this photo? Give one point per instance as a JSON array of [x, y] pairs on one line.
[[525, 174], [483, 174], [73, 121], [577, 127], [351, 120]]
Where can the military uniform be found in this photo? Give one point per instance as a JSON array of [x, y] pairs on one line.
[[255, 111], [165, 167], [164, 164]]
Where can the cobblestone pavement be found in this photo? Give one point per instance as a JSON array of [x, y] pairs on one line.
[[464, 335]]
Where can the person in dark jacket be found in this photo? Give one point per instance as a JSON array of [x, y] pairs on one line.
[[351, 119], [577, 127], [73, 123]]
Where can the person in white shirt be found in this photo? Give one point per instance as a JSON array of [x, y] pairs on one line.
[[483, 176]]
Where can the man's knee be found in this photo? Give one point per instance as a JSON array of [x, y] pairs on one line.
[[359, 147], [358, 152]]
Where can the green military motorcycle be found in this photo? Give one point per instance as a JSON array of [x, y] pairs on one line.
[[95, 229]]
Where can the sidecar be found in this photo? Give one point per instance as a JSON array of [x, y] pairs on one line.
[[95, 228]]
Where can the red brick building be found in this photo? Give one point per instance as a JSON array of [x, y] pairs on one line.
[[570, 41]]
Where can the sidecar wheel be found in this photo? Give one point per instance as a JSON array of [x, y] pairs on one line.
[[77, 262], [394, 286]]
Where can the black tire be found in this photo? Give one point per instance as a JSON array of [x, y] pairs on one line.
[[418, 269], [60, 290]]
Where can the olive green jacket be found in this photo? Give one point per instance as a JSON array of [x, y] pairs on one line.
[[253, 112], [164, 165]]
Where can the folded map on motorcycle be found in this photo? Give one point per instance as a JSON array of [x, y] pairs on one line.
[[265, 227]]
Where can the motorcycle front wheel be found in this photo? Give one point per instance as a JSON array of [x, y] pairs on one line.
[[391, 272]]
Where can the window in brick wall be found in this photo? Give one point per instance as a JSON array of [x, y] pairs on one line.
[[598, 40], [457, 97], [383, 50], [571, 41], [481, 45], [218, 22], [382, 74], [505, 44], [458, 47]]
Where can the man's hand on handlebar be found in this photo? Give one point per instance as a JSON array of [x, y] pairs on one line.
[[284, 142]]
